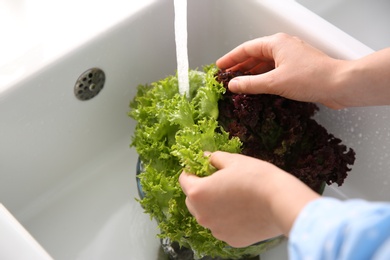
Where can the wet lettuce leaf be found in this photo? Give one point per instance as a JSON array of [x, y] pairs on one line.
[[173, 131], [171, 135]]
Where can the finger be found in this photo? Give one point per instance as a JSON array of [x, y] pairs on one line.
[[260, 49], [221, 160], [254, 68], [257, 84], [262, 67], [190, 207], [246, 65], [186, 181]]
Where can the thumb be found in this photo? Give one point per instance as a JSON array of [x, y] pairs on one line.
[[187, 180], [254, 84], [221, 160]]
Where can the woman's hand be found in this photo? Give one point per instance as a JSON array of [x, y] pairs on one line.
[[246, 201], [285, 65]]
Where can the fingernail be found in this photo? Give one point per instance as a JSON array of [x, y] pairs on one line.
[[234, 85], [207, 154]]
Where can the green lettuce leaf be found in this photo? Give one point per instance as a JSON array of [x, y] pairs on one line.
[[171, 135]]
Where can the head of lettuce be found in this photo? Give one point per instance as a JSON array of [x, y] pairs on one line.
[[174, 130]]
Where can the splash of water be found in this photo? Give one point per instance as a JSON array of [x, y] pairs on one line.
[[181, 45]]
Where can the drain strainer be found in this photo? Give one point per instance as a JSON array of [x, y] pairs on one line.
[[89, 84]]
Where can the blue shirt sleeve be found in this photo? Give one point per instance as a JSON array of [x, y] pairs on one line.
[[331, 229]]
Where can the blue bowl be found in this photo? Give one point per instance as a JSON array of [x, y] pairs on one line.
[[139, 169]]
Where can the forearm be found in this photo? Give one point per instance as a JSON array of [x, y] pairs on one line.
[[363, 82], [287, 197]]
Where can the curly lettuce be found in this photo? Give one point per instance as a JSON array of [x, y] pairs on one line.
[[171, 135], [173, 131], [284, 133]]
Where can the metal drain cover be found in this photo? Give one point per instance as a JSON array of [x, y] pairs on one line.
[[89, 84]]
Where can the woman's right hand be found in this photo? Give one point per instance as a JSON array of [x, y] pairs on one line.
[[247, 200]]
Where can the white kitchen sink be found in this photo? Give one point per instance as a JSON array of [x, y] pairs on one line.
[[366, 20], [66, 170]]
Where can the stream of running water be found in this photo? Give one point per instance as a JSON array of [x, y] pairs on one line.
[[181, 45]]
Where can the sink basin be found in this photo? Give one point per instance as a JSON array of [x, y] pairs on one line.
[[365, 20], [67, 173]]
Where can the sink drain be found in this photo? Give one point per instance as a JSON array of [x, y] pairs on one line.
[[89, 84]]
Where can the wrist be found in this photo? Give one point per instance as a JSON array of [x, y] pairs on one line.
[[287, 200], [335, 85], [362, 82], [345, 84]]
